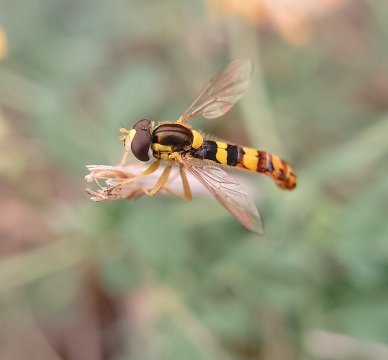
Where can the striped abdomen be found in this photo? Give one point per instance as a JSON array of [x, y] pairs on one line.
[[249, 159]]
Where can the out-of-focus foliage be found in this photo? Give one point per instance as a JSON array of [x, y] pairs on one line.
[[160, 278]]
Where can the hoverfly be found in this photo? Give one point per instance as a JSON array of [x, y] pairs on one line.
[[176, 143]]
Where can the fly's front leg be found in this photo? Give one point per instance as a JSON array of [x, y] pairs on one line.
[[152, 168], [124, 158], [127, 138]]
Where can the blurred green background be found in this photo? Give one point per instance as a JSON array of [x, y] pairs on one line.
[[159, 278]]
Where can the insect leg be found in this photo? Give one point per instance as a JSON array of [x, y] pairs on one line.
[[152, 168], [124, 158], [185, 183], [162, 180], [173, 193]]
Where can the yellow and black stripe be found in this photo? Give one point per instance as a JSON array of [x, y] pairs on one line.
[[249, 159]]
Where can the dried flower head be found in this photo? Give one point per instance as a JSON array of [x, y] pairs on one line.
[[116, 187]]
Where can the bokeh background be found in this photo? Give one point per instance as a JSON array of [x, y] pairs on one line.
[[159, 278]]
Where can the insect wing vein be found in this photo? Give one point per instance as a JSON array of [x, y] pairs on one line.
[[228, 192], [222, 92]]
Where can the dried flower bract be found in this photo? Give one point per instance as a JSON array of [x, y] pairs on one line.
[[113, 176]]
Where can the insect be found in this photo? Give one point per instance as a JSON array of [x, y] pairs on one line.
[[176, 143]]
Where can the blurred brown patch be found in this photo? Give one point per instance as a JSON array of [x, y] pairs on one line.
[[3, 44], [372, 95], [22, 227], [293, 19]]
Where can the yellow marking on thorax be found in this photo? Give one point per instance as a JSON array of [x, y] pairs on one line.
[[161, 148], [197, 139], [222, 154]]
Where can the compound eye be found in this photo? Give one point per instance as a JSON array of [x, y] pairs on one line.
[[141, 141]]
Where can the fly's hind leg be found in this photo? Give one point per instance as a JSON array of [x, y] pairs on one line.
[[185, 184], [173, 193]]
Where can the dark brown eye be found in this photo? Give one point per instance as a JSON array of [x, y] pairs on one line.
[[142, 140]]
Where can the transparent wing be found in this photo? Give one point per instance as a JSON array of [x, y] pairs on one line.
[[222, 92], [228, 192]]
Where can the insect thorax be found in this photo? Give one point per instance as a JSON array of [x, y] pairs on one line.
[[167, 138]]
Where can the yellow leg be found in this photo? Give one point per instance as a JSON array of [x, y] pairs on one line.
[[173, 193], [147, 192], [124, 158], [185, 183], [153, 167], [162, 180]]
